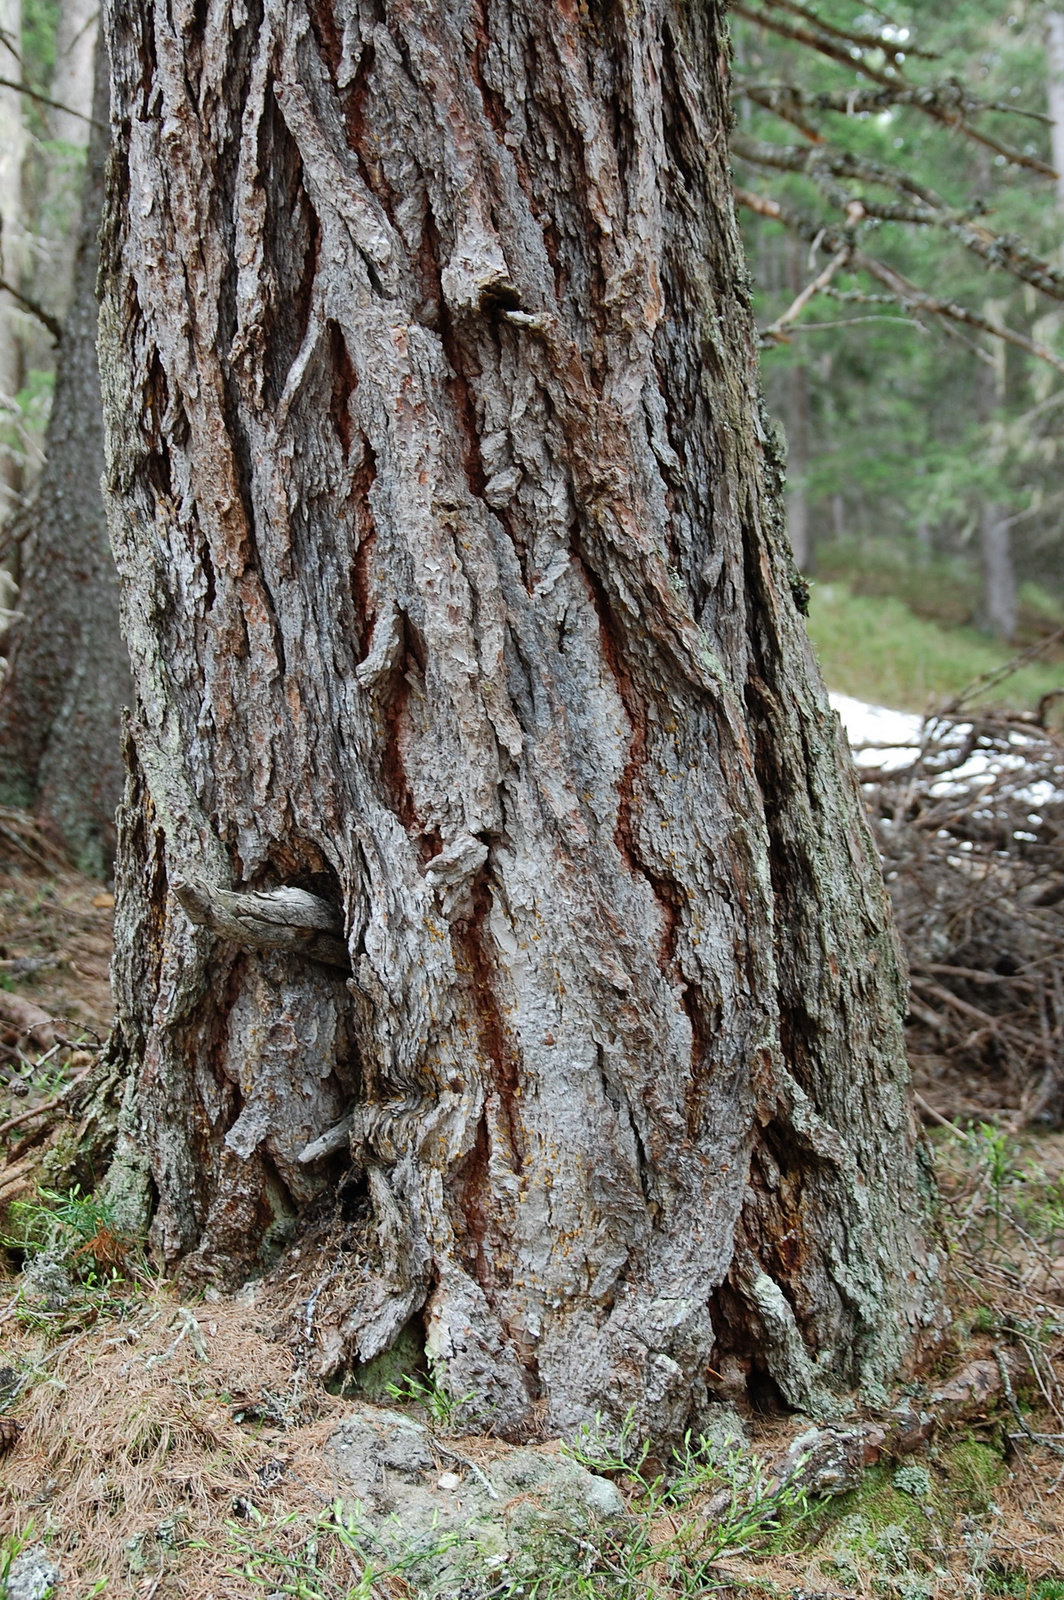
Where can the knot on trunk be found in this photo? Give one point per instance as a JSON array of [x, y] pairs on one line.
[[270, 919]]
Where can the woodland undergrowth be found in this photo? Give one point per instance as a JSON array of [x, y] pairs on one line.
[[158, 1445]]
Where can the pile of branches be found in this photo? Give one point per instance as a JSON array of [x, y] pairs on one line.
[[971, 834]]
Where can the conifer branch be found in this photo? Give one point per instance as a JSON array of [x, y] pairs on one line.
[[35, 309], [823, 163], [908, 296], [947, 102]]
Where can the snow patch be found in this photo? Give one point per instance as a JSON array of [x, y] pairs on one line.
[[889, 740], [896, 734]]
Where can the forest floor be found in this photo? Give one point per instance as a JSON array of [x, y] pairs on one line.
[[159, 1446], [896, 626]]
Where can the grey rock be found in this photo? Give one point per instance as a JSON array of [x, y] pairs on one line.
[[33, 1575], [828, 1461], [604, 1498], [46, 1282], [723, 1428], [464, 1522]]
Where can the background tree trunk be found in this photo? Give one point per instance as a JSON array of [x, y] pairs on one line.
[[68, 672], [59, 202], [1054, 22], [999, 576], [12, 156], [458, 598], [72, 79], [799, 530], [995, 531]]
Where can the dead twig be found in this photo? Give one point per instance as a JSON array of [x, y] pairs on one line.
[[55, 1104], [28, 1018], [1047, 1440], [936, 1116], [971, 837], [775, 329]]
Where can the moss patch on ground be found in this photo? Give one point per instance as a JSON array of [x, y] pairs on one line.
[[894, 1534]]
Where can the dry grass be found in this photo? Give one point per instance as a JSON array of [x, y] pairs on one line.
[[132, 1464], [1003, 1237], [55, 929], [176, 1449], [55, 946]]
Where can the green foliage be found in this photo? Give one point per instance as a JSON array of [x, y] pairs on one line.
[[671, 1546], [40, 19], [889, 1534], [912, 424], [35, 401], [666, 1546], [12, 1545], [1010, 1582], [273, 1561], [994, 1152], [23, 424], [432, 1394], [936, 586], [974, 1471], [77, 1237], [377, 1379]]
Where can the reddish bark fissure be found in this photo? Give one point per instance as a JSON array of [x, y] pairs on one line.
[[446, 604]]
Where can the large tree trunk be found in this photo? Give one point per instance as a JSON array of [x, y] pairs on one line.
[[458, 599], [68, 671]]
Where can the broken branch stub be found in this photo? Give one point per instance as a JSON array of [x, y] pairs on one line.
[[271, 919]]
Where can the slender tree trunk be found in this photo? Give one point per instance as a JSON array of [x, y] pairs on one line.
[[999, 577], [61, 169], [72, 79], [12, 157], [797, 469], [1054, 22], [68, 673], [497, 905], [798, 438], [995, 534]]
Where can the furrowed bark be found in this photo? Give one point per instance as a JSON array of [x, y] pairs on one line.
[[457, 598]]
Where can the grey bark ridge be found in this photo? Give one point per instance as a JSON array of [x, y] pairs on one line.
[[457, 592]]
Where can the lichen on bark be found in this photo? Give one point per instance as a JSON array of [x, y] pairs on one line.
[[457, 597]]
